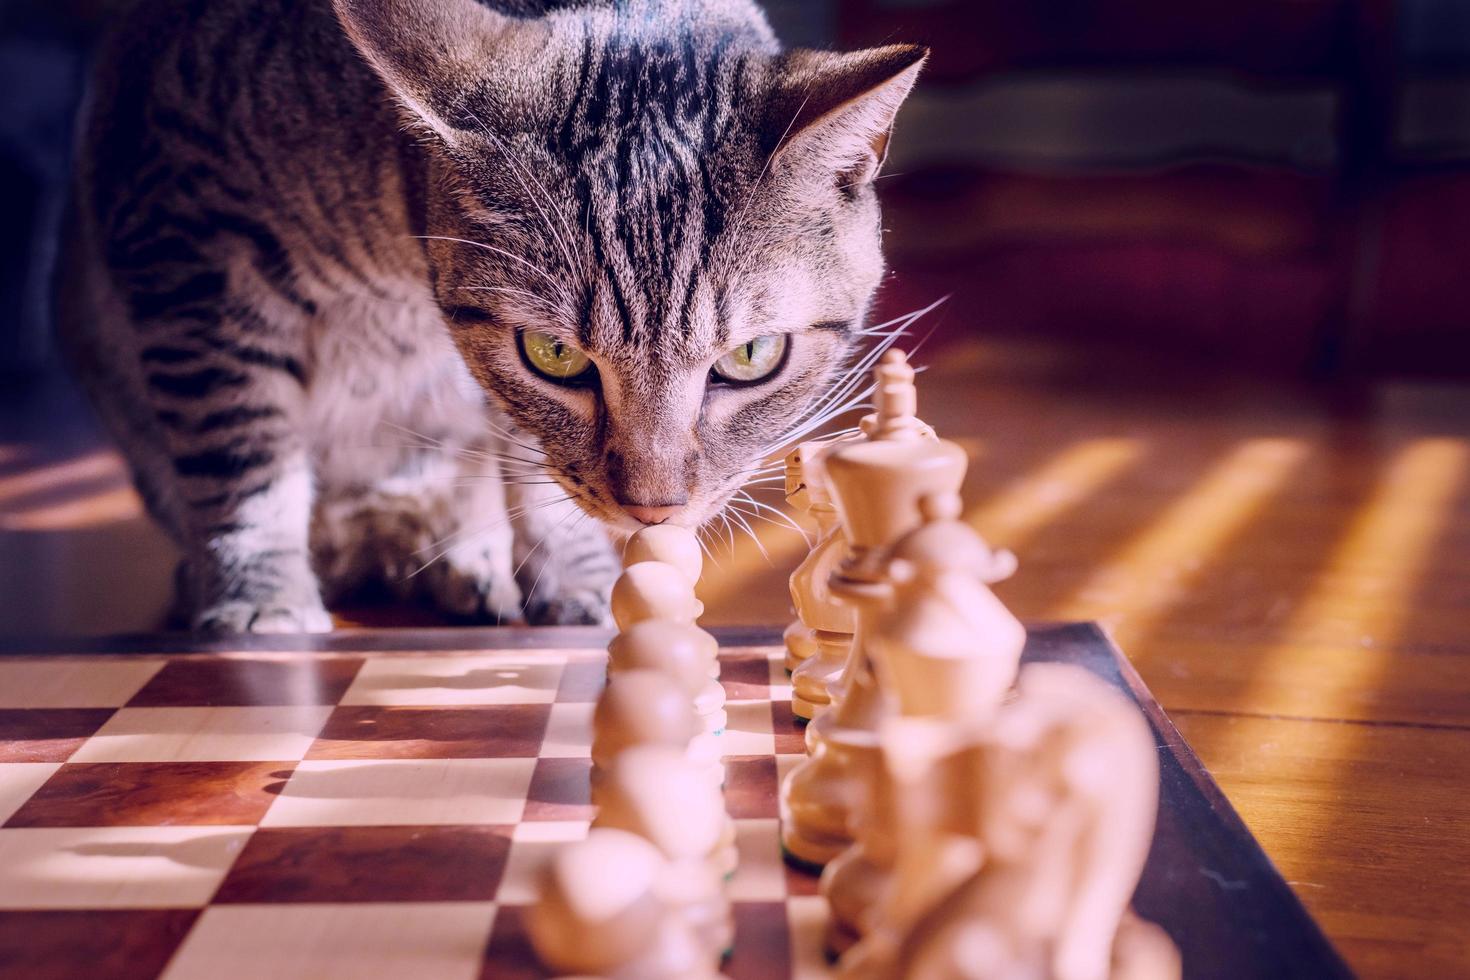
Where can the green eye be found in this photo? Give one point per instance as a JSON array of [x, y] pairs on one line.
[[553, 358], [752, 361]]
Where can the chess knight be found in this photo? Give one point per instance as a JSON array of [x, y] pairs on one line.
[[1062, 792]]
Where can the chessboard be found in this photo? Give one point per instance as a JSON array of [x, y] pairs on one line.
[[375, 803]]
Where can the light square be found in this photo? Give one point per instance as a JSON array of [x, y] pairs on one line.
[[780, 680], [65, 683], [761, 875], [18, 780], [748, 729], [786, 763], [532, 845], [807, 917], [115, 867], [568, 732], [386, 792], [205, 735], [443, 940], [489, 679]]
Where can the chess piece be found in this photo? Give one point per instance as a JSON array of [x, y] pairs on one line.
[[876, 486], [640, 707], [600, 913], [827, 623], [927, 841], [654, 590], [681, 651], [668, 543], [946, 645], [1069, 793], [805, 491], [656, 793], [949, 651]]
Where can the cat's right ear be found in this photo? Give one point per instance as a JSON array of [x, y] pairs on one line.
[[449, 62], [838, 108]]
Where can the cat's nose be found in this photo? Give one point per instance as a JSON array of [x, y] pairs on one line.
[[652, 515]]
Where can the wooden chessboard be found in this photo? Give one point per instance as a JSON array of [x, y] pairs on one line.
[[371, 804]]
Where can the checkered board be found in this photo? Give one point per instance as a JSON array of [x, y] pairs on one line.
[[375, 804]]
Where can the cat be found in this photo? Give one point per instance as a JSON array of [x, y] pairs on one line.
[[438, 293]]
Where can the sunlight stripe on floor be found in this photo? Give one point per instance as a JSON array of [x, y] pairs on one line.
[[1039, 497], [1160, 565], [1365, 591]]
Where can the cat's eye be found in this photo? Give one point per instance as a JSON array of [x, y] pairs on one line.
[[551, 358], [755, 360]]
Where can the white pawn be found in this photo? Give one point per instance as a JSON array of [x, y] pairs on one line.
[[681, 651], [640, 707], [600, 912], [668, 543], [654, 590], [656, 793]]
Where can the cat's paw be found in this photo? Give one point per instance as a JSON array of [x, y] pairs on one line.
[[238, 616], [473, 593], [580, 607]]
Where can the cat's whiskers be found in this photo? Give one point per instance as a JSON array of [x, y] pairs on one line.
[[739, 516], [582, 515], [507, 463], [858, 372], [510, 436], [888, 333], [518, 169], [557, 285], [782, 519], [534, 298], [453, 540], [738, 224]]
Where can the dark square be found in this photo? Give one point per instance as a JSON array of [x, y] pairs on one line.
[[231, 681], [47, 734], [561, 789], [745, 676], [509, 955], [751, 787], [762, 942], [790, 733], [501, 731], [154, 794], [368, 864], [581, 681], [99, 944]]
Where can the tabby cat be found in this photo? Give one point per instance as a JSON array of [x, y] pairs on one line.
[[435, 292]]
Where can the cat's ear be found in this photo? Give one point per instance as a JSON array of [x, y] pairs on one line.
[[839, 108], [447, 61]]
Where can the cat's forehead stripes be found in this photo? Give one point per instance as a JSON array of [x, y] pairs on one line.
[[649, 138]]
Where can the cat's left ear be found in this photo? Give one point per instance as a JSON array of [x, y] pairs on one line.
[[449, 62], [838, 109]]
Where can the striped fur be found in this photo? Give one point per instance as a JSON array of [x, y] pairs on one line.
[[304, 235]]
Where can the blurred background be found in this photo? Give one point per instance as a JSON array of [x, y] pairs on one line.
[[1208, 268]]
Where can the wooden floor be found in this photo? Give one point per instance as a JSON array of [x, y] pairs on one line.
[[1288, 567]]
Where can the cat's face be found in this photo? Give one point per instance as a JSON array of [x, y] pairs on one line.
[[657, 264]]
